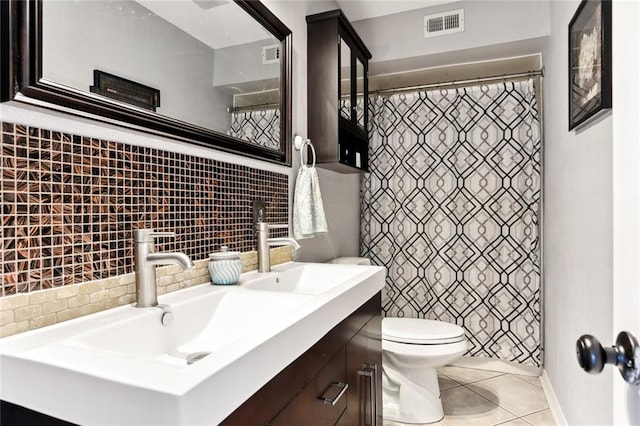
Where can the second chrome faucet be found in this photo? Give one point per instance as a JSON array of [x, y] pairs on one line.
[[264, 242]]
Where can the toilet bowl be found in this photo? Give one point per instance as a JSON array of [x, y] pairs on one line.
[[412, 349]]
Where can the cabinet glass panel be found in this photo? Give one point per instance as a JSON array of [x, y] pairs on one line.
[[361, 104], [345, 80]]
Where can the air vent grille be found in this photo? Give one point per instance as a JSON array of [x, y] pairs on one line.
[[444, 23], [435, 25], [451, 21]]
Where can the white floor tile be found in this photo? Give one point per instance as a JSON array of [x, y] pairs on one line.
[[467, 375], [541, 418], [516, 422], [446, 382], [464, 407], [512, 394], [483, 398], [534, 380]]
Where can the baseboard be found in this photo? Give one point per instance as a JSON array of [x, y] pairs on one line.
[[496, 365], [554, 405]]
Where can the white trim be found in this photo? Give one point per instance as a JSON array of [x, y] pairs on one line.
[[552, 400], [489, 364]]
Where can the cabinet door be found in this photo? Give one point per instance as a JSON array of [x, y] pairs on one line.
[[374, 356], [364, 375], [300, 411], [344, 76]]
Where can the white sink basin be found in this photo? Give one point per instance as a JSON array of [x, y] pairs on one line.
[[201, 323], [124, 367], [310, 278]]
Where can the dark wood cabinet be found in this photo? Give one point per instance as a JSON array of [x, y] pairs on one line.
[[364, 375], [338, 92], [350, 354]]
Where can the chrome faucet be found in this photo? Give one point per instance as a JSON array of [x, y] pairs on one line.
[[146, 260], [264, 242]]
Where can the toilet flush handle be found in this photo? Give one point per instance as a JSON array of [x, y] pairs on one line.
[[625, 355]]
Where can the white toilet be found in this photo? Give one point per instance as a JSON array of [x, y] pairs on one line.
[[412, 349]]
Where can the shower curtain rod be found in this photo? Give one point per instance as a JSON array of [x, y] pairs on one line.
[[232, 109], [503, 77]]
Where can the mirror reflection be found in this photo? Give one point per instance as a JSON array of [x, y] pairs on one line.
[[360, 104], [345, 80], [204, 62]]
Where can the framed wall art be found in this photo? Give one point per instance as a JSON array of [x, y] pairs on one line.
[[589, 61]]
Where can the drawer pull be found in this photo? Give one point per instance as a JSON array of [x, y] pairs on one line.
[[334, 400], [369, 371]]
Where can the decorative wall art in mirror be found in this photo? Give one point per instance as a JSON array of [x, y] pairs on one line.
[[211, 72]]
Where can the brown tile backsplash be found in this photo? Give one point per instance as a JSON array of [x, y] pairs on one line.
[[70, 203]]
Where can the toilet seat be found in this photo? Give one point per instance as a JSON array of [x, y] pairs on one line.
[[418, 331]]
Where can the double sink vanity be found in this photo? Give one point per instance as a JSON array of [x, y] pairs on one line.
[[299, 345], [221, 345]]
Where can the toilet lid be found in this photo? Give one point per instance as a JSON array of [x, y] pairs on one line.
[[420, 331]]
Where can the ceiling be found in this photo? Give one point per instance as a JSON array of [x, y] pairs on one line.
[[231, 25], [357, 10]]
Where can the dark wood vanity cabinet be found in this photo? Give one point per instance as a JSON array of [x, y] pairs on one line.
[[338, 92], [351, 354]]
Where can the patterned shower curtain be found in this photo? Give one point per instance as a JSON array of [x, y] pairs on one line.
[[451, 208], [261, 127]]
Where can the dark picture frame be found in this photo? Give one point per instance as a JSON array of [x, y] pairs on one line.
[[589, 61]]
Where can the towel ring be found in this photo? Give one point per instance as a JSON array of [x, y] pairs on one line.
[[299, 144]]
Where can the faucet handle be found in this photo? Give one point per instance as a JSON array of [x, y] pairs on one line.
[[148, 235]]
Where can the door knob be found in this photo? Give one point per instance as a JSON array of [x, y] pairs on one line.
[[625, 355]]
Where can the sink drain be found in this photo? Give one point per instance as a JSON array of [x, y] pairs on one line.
[[196, 356]]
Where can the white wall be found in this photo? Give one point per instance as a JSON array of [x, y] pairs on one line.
[[578, 242]]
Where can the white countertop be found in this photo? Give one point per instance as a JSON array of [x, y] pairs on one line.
[[123, 367]]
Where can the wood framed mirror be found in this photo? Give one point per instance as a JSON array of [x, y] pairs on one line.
[[215, 73]]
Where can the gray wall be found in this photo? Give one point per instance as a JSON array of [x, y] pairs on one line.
[[578, 238], [134, 44], [493, 29], [340, 193], [243, 63]]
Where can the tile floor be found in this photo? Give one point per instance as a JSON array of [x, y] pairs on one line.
[[484, 398]]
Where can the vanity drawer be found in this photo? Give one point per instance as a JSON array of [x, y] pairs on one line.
[[331, 387]]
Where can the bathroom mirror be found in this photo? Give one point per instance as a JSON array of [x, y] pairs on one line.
[[211, 72]]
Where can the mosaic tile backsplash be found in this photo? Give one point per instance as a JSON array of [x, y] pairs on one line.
[[70, 203]]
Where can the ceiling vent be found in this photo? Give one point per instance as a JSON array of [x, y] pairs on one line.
[[444, 23], [271, 54]]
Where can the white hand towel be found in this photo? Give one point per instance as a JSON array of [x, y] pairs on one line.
[[308, 211]]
